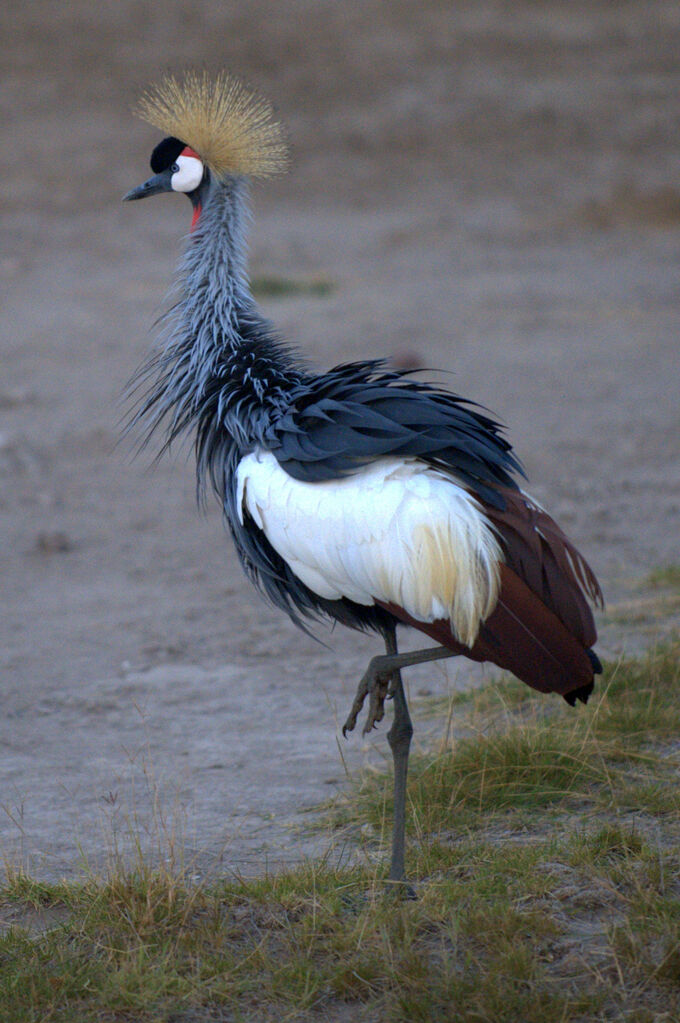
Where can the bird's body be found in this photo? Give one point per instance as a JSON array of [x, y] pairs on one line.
[[358, 495], [395, 532]]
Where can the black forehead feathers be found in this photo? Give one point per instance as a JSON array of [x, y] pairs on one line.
[[165, 154]]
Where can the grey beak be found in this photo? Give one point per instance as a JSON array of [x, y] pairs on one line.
[[158, 183]]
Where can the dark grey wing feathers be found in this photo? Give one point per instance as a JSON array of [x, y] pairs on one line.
[[338, 421]]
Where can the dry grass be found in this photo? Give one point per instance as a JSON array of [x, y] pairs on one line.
[[544, 851]]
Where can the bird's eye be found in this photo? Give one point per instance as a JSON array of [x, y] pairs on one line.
[[186, 173]]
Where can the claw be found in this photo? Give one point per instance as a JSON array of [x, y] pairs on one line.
[[357, 704], [376, 707], [349, 725], [377, 685]]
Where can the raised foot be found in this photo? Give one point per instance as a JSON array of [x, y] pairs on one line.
[[376, 684]]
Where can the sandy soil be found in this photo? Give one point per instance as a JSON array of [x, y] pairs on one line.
[[490, 187]]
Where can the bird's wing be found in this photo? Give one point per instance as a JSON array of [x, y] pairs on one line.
[[539, 625], [394, 532], [346, 418], [538, 552], [542, 627]]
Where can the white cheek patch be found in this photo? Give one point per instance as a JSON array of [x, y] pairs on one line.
[[189, 175]]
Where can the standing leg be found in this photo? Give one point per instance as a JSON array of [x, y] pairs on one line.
[[382, 678], [399, 738]]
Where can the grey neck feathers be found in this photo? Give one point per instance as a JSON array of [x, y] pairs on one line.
[[214, 277], [220, 369]]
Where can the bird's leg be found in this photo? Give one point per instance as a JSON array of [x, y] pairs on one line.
[[376, 680], [383, 678], [399, 738]]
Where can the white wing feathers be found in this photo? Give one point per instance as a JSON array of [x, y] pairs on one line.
[[397, 531]]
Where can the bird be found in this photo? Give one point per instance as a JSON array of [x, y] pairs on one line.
[[358, 495]]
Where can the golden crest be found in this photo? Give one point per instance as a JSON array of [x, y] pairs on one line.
[[231, 128]]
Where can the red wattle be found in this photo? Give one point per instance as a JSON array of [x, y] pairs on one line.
[[197, 213]]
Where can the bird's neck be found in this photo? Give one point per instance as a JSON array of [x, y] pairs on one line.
[[221, 370], [228, 348], [215, 287]]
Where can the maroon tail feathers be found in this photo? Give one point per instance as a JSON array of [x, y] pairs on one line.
[[542, 627]]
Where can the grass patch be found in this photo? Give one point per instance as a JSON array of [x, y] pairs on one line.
[[314, 942], [668, 576], [528, 753], [289, 287], [545, 858]]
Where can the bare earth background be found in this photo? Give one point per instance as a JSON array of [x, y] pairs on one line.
[[491, 189]]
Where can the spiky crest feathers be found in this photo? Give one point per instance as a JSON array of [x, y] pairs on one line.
[[233, 130]]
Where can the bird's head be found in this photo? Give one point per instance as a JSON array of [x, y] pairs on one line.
[[229, 131], [177, 168]]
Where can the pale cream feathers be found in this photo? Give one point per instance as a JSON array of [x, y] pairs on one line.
[[233, 130], [397, 531]]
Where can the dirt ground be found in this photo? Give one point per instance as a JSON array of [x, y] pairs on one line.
[[490, 188]]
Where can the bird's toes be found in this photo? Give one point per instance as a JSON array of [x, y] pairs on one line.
[[401, 890], [354, 712], [376, 707], [349, 725], [376, 687]]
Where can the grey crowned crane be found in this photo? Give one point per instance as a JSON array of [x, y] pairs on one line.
[[359, 495]]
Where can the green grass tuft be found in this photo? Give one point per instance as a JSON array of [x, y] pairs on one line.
[[288, 287], [668, 576], [527, 754]]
